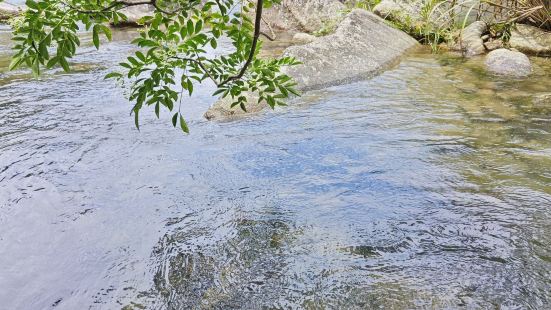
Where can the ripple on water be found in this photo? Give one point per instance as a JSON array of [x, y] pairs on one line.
[[411, 190]]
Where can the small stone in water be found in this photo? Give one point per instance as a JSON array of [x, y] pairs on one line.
[[506, 62]]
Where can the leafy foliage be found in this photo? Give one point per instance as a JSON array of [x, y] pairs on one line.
[[172, 55], [434, 21]]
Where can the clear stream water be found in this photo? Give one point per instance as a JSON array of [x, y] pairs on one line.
[[426, 187]]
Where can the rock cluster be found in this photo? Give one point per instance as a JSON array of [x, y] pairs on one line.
[[362, 46]]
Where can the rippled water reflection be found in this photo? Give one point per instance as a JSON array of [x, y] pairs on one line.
[[426, 187]]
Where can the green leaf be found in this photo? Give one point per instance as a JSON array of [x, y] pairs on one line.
[[140, 56], [219, 91], [137, 118], [15, 62], [124, 64], [189, 26], [95, 36], [271, 101], [283, 91], [52, 62], [64, 64], [198, 26], [175, 119], [183, 125], [36, 67], [31, 4], [113, 75], [293, 91], [190, 86], [107, 32], [183, 32]]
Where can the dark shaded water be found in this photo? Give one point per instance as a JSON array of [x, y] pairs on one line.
[[426, 187]]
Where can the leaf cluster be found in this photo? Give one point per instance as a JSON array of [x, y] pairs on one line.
[[174, 49]]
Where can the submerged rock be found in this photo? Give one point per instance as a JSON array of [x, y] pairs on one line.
[[362, 46], [222, 109], [470, 40], [8, 11], [531, 40], [542, 99], [507, 62]]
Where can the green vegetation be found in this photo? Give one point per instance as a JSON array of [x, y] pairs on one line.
[[175, 36], [435, 23], [363, 4], [442, 21]]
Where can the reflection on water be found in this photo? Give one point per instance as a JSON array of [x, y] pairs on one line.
[[426, 187]]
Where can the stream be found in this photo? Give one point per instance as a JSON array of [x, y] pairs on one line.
[[428, 186]]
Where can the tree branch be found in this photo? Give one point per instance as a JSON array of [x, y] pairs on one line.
[[257, 24], [124, 4], [113, 5]]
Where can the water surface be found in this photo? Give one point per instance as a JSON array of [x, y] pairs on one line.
[[425, 187]]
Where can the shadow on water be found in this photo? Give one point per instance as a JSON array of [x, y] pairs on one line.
[[425, 187]]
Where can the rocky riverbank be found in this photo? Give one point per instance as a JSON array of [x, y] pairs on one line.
[[477, 29], [361, 46], [338, 48]]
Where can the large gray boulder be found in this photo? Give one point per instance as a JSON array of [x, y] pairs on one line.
[[510, 63], [8, 11], [470, 40], [313, 15], [362, 46], [531, 40]]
